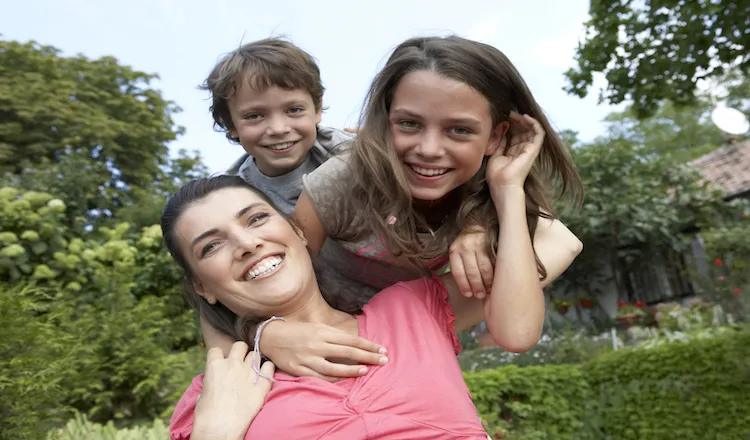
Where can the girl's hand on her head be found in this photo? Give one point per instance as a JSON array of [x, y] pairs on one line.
[[306, 349], [511, 167], [231, 396], [471, 267]]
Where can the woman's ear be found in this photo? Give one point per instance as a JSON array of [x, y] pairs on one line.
[[496, 137], [198, 288]]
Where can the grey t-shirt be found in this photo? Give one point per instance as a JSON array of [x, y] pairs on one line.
[[284, 190], [354, 263]]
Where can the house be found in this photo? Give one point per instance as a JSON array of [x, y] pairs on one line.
[[728, 169]]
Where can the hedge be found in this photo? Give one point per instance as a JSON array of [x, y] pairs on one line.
[[680, 390]]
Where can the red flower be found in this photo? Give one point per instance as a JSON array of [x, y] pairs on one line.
[[622, 304], [639, 304], [736, 291], [718, 262]]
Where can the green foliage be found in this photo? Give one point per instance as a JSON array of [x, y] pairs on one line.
[[97, 333], [688, 390], [50, 103], [637, 204], [80, 428], [652, 50]]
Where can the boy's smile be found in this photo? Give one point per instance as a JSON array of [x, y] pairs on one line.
[[276, 126]]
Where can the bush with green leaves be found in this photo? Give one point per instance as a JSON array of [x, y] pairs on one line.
[[689, 390], [91, 322], [80, 428]]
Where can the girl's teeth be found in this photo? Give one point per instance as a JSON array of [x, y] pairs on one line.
[[429, 171], [266, 266]]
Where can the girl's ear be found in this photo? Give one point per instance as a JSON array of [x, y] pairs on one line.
[[497, 137], [198, 287]]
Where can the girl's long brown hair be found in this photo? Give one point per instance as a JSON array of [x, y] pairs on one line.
[[380, 184]]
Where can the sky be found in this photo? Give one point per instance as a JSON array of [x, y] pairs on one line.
[[182, 40]]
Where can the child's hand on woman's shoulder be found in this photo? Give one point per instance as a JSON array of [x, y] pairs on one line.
[[470, 264]]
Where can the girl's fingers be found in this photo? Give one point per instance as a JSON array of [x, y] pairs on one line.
[[353, 354], [238, 351], [474, 275], [487, 271], [334, 370], [459, 274], [343, 338]]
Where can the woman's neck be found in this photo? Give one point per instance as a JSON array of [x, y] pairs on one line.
[[317, 311]]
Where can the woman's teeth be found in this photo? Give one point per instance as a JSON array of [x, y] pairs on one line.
[[283, 146], [264, 267], [429, 172]]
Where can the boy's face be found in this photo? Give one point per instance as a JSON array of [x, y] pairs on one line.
[[276, 126]]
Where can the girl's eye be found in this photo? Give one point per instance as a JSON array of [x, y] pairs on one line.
[[409, 125], [296, 110], [257, 217], [461, 131], [253, 116]]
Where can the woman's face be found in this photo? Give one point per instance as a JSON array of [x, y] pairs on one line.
[[244, 254]]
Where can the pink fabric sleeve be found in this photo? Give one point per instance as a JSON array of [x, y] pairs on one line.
[[181, 425], [433, 293]]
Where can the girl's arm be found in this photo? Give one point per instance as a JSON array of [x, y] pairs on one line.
[[307, 220], [514, 310], [472, 268]]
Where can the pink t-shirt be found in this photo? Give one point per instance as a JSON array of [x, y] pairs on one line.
[[419, 394]]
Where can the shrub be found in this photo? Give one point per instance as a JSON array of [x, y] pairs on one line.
[[80, 428], [689, 390]]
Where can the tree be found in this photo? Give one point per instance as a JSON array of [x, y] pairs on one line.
[[652, 50], [680, 134], [55, 109]]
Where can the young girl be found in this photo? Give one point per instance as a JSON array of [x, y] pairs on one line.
[[418, 175]]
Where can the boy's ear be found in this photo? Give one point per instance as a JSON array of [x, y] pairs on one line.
[[497, 137], [319, 113]]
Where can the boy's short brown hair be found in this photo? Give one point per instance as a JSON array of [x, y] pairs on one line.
[[263, 63]]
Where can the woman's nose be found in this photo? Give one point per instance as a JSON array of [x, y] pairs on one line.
[[247, 243]]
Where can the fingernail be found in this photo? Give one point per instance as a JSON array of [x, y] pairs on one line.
[[363, 370], [467, 294], [480, 295], [382, 350], [383, 360]]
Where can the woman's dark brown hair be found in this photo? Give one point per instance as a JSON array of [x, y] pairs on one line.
[[380, 184]]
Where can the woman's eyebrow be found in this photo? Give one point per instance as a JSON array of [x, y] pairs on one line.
[[239, 214]]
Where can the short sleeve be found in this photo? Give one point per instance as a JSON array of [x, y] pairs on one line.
[[434, 295], [181, 425], [329, 189]]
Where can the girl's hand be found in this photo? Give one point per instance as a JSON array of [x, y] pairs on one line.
[[231, 396], [471, 267], [305, 349], [510, 168]]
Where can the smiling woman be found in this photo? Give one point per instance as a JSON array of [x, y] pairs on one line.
[[244, 260]]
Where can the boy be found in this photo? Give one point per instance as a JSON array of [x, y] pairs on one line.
[[267, 96]]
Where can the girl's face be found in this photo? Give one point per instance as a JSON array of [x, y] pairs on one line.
[[441, 129], [244, 254]]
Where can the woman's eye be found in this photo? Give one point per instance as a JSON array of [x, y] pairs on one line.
[[208, 248]]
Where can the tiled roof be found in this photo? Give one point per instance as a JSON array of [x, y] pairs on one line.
[[728, 168]]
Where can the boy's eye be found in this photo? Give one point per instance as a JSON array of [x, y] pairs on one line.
[[296, 110]]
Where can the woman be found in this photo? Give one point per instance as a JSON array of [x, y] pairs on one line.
[[242, 258]]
